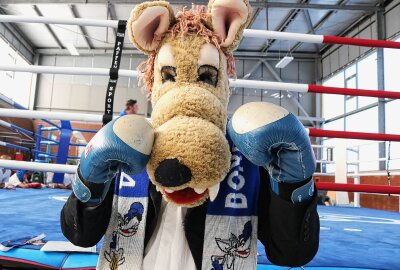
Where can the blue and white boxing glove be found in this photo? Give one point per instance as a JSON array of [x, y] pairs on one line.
[[124, 143], [271, 137]]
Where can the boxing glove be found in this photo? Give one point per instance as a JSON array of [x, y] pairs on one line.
[[124, 143], [271, 137]]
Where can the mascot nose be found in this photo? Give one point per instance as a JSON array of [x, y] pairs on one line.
[[171, 173]]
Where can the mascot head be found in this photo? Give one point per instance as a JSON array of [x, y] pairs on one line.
[[186, 74]]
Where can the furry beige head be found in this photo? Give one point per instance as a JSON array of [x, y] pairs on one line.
[[190, 56]]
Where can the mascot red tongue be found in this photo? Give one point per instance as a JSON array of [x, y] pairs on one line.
[[190, 57]]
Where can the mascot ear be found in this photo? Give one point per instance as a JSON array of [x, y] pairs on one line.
[[148, 23], [229, 18]]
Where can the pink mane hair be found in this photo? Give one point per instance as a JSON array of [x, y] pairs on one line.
[[192, 21]]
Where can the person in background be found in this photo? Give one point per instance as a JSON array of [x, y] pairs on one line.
[[131, 107], [21, 178], [67, 184], [4, 173]]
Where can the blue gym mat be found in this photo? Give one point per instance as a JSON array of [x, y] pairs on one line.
[[351, 238]]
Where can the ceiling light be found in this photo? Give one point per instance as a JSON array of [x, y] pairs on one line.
[[71, 48], [284, 62]]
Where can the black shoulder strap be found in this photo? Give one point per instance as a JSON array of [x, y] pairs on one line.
[[112, 82]]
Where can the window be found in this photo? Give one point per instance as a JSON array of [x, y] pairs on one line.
[[367, 78], [366, 150], [392, 60], [360, 75], [393, 127], [333, 105], [327, 152], [392, 109], [14, 85]]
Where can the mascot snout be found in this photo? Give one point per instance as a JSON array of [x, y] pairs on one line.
[[172, 173], [172, 167]]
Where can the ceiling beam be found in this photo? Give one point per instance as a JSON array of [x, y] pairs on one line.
[[317, 25], [345, 32], [82, 29], [262, 4], [252, 70], [310, 27], [284, 24], [17, 39], [254, 17], [56, 39]]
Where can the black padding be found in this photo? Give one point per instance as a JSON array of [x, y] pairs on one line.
[[172, 173], [84, 225], [289, 232]]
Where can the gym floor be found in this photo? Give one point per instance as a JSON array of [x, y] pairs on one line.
[[356, 238]]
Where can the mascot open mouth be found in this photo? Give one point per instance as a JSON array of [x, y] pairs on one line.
[[189, 195], [184, 196]]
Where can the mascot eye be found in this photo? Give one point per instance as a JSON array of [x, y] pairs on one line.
[[208, 74], [168, 73]]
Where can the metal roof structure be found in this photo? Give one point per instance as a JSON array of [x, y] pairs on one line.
[[324, 17]]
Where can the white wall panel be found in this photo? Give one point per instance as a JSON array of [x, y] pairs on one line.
[[306, 72], [374, 30], [334, 58], [393, 21], [326, 66], [85, 93], [354, 52], [290, 73], [343, 55], [82, 62], [366, 33], [82, 97]]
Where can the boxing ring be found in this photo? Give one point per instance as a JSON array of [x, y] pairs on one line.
[[350, 238]]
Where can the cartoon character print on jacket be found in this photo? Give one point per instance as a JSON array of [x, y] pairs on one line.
[[233, 247], [114, 257], [127, 226]]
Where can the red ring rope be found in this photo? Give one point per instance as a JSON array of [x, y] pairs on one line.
[[353, 135], [353, 91], [361, 42], [358, 188]]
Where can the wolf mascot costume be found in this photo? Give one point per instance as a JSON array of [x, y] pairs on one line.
[[192, 190]]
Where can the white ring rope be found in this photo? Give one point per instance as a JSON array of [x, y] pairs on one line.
[[383, 173], [325, 161], [69, 70], [355, 162], [36, 166], [310, 38], [132, 73], [52, 20], [50, 115], [323, 146]]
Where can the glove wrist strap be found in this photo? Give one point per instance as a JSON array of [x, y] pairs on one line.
[[88, 192], [296, 192]]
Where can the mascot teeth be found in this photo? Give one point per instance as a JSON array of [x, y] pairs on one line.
[[168, 190], [213, 192], [199, 190]]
